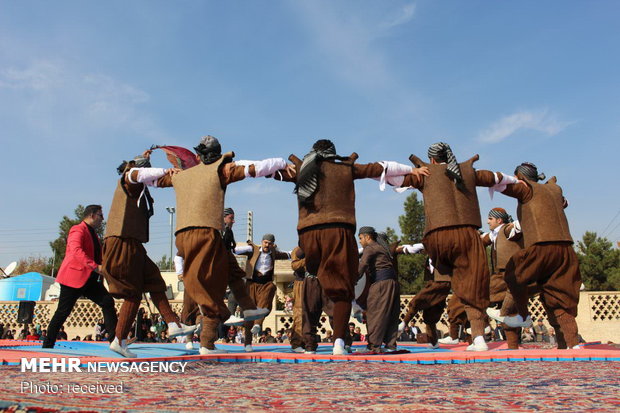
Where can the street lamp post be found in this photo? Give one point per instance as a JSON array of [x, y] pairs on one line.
[[171, 211]]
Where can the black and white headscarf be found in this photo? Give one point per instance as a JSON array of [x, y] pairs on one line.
[[308, 177], [382, 239], [209, 149], [530, 171], [502, 214], [443, 153]]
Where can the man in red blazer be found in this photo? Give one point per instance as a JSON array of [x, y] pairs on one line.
[[80, 275]]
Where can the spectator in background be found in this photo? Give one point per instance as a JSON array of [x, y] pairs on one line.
[[88, 337], [358, 332], [76, 338], [8, 335], [62, 335], [163, 337], [43, 335], [33, 335], [552, 338], [240, 335], [150, 337], [279, 336], [268, 337], [329, 338], [354, 336], [406, 335], [541, 331], [232, 333]]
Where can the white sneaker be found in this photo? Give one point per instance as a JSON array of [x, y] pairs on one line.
[[494, 314], [189, 345], [249, 348], [256, 329], [478, 344], [487, 330], [298, 350], [401, 327], [121, 348], [448, 340], [309, 352], [577, 347], [233, 320], [180, 329], [432, 346], [477, 347], [339, 349], [205, 351], [251, 315]]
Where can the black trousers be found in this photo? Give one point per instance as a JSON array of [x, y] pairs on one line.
[[94, 291]]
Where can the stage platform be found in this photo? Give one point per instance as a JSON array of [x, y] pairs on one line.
[[12, 351]]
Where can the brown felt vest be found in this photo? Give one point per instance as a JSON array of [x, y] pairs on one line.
[[126, 219], [334, 200], [250, 264], [444, 204], [503, 249], [200, 195], [542, 218]]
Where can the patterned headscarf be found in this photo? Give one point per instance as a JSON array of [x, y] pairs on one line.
[[382, 239], [209, 149], [228, 211], [443, 153], [529, 170], [500, 213], [308, 177], [367, 230]]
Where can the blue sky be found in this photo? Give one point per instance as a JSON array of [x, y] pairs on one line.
[[84, 85]]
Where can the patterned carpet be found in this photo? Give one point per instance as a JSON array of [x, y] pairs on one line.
[[250, 387]]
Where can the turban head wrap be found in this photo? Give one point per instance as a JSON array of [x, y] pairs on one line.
[[209, 149], [137, 162], [308, 177], [442, 152], [367, 230], [500, 213], [529, 170], [269, 237]]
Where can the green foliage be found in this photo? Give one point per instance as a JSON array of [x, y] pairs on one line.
[[410, 267], [599, 263], [165, 264], [59, 245]]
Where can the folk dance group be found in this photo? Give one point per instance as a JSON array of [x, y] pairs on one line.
[[533, 255]]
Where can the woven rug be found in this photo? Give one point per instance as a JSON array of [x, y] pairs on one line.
[[253, 387]]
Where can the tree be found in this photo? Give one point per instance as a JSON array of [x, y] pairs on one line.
[[33, 263], [599, 263], [59, 245], [165, 264], [410, 267]]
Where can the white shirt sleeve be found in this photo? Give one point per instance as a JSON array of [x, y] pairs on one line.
[[413, 249], [146, 176], [243, 250], [178, 265], [262, 168]]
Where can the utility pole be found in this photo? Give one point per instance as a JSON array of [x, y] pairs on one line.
[[171, 211], [249, 235]]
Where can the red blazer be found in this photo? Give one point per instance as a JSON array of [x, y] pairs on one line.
[[79, 260]]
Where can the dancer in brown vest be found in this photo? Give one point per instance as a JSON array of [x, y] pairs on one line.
[[238, 294], [431, 299], [383, 302], [200, 194], [127, 269], [298, 264], [259, 270], [548, 258], [326, 197], [451, 233]]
